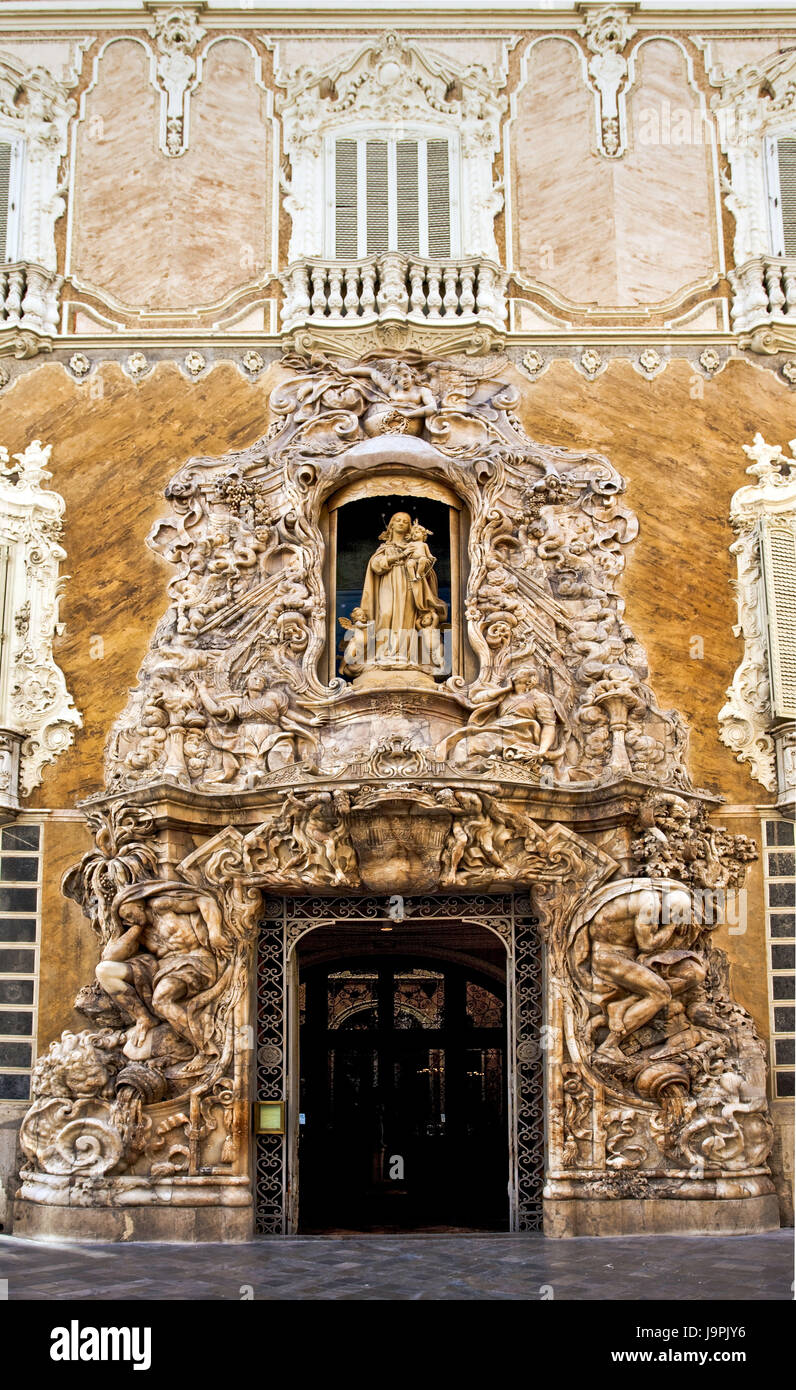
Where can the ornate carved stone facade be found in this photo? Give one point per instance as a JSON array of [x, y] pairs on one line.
[[542, 763]]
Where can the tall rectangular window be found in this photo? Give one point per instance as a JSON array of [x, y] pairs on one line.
[[20, 917], [11, 152], [781, 165], [392, 195]]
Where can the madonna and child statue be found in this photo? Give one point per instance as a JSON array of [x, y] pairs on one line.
[[394, 634]]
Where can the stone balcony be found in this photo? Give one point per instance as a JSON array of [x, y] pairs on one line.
[[397, 299], [28, 308], [764, 303]]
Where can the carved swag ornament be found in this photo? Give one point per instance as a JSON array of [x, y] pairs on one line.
[[464, 783]]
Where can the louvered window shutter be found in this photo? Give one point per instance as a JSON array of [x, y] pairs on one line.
[[5, 196], [345, 207], [779, 568], [408, 207], [378, 196], [786, 164], [392, 195], [439, 198]]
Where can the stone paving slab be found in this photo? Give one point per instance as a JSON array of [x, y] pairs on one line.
[[477, 1267]]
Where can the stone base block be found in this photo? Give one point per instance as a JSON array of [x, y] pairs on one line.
[[677, 1216], [40, 1221]]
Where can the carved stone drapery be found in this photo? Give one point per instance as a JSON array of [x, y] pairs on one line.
[[36, 710]]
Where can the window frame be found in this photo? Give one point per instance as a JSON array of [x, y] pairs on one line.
[[16, 183], [776, 226], [391, 135]]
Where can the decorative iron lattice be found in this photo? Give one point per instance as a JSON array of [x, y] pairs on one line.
[[285, 920], [529, 1077], [270, 1150]]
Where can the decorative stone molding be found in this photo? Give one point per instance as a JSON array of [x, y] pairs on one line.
[[395, 290], [34, 114], [37, 109], [176, 33], [391, 81], [36, 708], [607, 33], [756, 722], [755, 102]]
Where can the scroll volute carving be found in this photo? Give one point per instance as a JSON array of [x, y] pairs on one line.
[[229, 695]]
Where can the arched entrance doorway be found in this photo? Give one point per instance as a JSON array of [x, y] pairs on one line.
[[400, 1029], [403, 1099]]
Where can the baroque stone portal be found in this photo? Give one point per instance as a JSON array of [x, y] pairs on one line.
[[541, 765]]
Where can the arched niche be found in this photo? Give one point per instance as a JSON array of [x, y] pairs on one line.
[[355, 519]]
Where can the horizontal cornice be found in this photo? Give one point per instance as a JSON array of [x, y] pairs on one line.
[[325, 16]]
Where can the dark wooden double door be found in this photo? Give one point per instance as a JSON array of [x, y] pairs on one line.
[[403, 1097]]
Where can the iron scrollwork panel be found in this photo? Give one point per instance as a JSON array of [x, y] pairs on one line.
[[529, 1069], [270, 1148]]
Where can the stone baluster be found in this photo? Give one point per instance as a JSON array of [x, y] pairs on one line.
[[50, 297], [772, 273], [467, 296], [450, 301], [295, 288], [33, 302], [368, 296], [14, 294], [318, 273], [335, 299], [3, 290], [433, 296], [417, 299], [789, 283], [351, 300], [392, 297], [750, 299], [485, 292]]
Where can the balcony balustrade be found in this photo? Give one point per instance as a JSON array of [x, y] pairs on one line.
[[28, 305], [764, 302], [394, 288]]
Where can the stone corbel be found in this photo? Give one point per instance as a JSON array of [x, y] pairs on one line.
[[176, 33], [37, 715], [607, 33], [749, 723]]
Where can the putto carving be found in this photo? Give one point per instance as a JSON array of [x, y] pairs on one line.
[[557, 685], [747, 721], [37, 709], [607, 34]]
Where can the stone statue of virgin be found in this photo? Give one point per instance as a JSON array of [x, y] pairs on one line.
[[400, 596]]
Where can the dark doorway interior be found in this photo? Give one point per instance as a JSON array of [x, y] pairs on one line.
[[403, 1095]]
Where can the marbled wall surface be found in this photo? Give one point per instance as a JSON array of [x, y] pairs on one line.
[[629, 231], [200, 223]]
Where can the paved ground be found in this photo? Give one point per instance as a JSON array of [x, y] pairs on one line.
[[408, 1267]]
